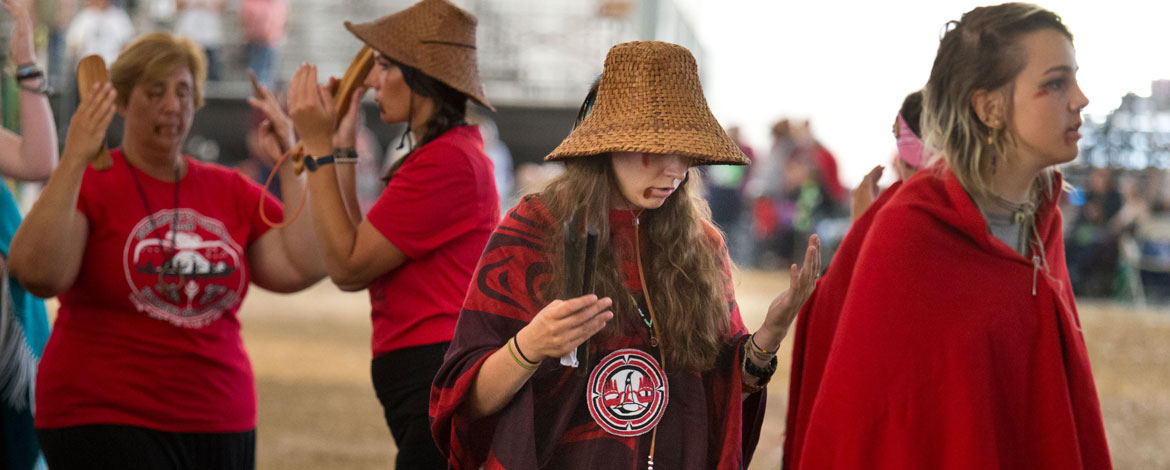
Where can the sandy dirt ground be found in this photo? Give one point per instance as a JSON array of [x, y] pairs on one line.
[[317, 409]]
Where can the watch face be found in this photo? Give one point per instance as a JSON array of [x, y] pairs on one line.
[[310, 163]]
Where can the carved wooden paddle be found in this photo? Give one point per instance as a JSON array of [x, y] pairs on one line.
[[92, 69]]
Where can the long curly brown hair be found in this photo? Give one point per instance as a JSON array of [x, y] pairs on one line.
[[684, 261]]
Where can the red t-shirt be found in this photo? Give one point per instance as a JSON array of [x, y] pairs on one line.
[[139, 345], [439, 210]]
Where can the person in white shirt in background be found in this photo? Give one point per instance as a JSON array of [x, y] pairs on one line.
[[202, 22], [100, 28]]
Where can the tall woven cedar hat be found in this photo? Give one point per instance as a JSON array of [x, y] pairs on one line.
[[650, 100], [433, 36]]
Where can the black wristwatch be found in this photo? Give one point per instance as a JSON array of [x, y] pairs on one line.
[[312, 163]]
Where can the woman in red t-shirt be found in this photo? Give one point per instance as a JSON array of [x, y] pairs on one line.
[[150, 258], [418, 246]]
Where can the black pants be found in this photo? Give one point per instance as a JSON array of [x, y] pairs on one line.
[[402, 380], [110, 446]]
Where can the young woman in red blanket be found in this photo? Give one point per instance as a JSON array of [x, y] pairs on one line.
[[958, 344]]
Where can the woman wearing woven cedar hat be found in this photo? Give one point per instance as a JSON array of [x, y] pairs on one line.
[[959, 344], [667, 375], [417, 247]]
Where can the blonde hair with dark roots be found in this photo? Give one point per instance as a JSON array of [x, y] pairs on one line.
[[981, 51], [153, 56], [684, 273]]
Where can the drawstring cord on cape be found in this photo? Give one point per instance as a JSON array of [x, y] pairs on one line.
[[1024, 215]]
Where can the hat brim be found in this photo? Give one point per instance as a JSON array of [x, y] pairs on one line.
[[707, 146], [394, 48]]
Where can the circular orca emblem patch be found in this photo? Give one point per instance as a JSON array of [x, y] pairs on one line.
[[627, 393], [184, 268]]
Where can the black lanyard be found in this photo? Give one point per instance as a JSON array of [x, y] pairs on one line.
[[167, 257]]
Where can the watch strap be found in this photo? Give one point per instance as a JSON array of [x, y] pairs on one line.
[[312, 163]]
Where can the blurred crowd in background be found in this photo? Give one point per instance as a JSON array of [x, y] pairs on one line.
[[1117, 221]]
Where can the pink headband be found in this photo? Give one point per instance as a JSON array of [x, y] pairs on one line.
[[910, 147]]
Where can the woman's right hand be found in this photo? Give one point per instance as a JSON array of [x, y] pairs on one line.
[[87, 127], [276, 130], [563, 325], [21, 42], [313, 111]]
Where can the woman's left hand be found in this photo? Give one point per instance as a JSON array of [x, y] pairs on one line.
[[786, 305], [313, 111], [346, 135], [866, 192]]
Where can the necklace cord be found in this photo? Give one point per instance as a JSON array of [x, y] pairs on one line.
[[168, 258], [653, 325]]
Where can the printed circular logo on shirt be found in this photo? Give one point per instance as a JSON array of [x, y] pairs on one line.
[[188, 276], [627, 393]]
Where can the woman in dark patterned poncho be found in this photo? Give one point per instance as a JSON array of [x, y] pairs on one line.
[[664, 352]]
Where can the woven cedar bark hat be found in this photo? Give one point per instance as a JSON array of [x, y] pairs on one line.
[[650, 100], [433, 36]]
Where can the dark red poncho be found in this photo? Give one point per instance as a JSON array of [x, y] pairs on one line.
[[944, 358], [707, 424]]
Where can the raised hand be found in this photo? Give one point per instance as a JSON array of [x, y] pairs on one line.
[[313, 111], [21, 43], [346, 135], [786, 305], [276, 131], [87, 127], [562, 325], [866, 192]]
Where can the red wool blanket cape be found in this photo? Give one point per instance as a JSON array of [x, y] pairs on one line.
[[944, 358], [816, 326]]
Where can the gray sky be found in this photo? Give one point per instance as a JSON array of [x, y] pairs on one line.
[[846, 65]]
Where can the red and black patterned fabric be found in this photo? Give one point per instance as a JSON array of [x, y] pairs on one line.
[[706, 424]]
